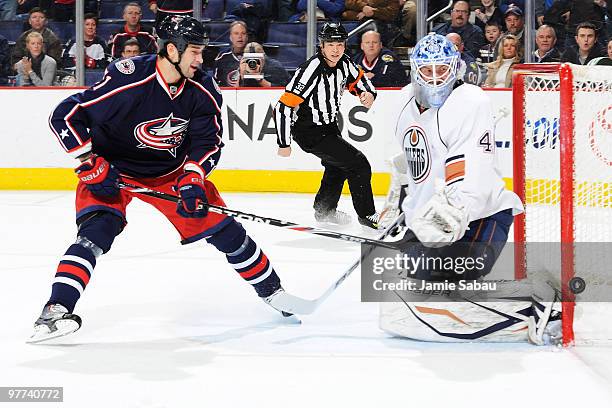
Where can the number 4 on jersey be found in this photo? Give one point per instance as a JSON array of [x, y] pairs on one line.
[[487, 142]]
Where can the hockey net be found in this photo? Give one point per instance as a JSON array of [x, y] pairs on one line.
[[562, 130]]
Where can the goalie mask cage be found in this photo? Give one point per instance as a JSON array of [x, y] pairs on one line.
[[562, 142]]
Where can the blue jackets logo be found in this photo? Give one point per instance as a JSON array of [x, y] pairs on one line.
[[161, 134]]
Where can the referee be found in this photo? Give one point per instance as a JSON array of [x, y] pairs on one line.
[[308, 111]]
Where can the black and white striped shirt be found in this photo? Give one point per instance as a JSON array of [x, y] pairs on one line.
[[314, 94]]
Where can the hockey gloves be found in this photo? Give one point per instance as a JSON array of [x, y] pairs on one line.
[[192, 195], [99, 176], [439, 223]]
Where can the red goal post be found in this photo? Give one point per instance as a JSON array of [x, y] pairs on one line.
[[562, 164]]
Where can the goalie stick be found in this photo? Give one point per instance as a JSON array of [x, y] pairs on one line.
[[300, 306], [265, 220]]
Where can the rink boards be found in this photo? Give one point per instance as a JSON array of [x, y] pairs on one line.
[[32, 158]]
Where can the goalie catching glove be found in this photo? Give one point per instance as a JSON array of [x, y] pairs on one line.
[[99, 176], [192, 195], [439, 223]]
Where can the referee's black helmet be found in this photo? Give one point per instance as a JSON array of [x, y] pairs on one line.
[[181, 31], [332, 32]]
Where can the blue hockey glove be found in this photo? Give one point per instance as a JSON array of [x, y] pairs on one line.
[[99, 176], [192, 195]]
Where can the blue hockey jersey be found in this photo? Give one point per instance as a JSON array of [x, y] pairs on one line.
[[142, 125]]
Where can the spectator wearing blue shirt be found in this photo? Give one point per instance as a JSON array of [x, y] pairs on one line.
[[472, 36], [331, 9]]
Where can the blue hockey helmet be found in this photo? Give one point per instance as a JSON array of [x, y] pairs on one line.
[[434, 64]]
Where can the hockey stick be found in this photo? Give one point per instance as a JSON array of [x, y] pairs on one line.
[[300, 306], [265, 220]]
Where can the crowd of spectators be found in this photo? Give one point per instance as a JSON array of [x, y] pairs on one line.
[[490, 35]]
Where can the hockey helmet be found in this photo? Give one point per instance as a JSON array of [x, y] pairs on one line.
[[332, 32], [181, 31], [434, 65]]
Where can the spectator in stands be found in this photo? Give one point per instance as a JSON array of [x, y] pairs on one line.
[[610, 49], [259, 70], [165, 8], [227, 62], [8, 10], [488, 52], [35, 68], [472, 35], [326, 10], [488, 12], [63, 10], [132, 29], [96, 52], [284, 9], [131, 48], [468, 69], [587, 47], [540, 7], [380, 65], [505, 4], [513, 18], [546, 39], [52, 44], [383, 12], [406, 20], [5, 60], [499, 72], [515, 25], [581, 11], [24, 7]]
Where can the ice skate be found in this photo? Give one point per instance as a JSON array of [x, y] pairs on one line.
[[54, 321], [544, 326], [333, 217], [371, 221]]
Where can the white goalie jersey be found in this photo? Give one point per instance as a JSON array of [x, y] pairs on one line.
[[454, 143]]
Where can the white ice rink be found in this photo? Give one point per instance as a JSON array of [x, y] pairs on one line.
[[166, 325]]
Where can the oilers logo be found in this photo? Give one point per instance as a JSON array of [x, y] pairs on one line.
[[417, 153], [161, 134]]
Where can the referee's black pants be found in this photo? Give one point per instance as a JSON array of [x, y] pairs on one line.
[[342, 161]]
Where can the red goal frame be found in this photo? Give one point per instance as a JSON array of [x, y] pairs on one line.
[[566, 151]]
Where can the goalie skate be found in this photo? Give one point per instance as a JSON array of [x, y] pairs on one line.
[[544, 325], [54, 321]]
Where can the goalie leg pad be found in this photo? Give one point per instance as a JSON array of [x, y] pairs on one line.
[[245, 256], [448, 319], [96, 234]]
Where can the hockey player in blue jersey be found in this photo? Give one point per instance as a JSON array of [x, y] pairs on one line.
[[154, 121]]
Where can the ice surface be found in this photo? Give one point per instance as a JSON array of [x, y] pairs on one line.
[[167, 325]]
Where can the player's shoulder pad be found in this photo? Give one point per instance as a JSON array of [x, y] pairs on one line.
[[207, 84], [132, 68], [471, 92], [407, 88], [469, 95]]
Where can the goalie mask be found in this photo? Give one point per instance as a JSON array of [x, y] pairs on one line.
[[433, 64]]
